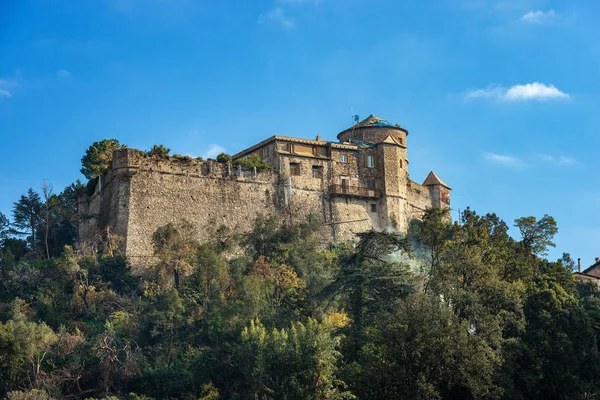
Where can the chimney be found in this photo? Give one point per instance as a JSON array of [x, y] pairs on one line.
[[579, 265], [597, 259]]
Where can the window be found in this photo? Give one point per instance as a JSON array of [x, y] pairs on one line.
[[294, 169], [400, 164], [373, 207], [345, 179], [314, 151], [265, 152], [371, 184], [289, 147], [317, 171], [370, 161], [343, 158]]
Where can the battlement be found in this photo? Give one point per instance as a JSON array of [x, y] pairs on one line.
[[132, 159]]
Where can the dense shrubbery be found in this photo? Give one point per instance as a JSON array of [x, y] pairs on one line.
[[455, 311]]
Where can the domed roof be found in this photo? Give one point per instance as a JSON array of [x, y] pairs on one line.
[[373, 122]]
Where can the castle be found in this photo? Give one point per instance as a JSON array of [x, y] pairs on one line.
[[356, 184]]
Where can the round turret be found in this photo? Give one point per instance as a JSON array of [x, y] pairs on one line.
[[373, 130]]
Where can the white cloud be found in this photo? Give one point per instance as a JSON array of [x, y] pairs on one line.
[[277, 15], [528, 91], [5, 93], [504, 160], [560, 160], [534, 91], [213, 151], [63, 74], [539, 17]]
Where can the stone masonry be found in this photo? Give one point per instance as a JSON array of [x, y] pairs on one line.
[[354, 185]]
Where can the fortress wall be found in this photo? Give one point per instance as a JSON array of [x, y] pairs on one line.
[[352, 215], [164, 192], [419, 200], [141, 193], [108, 205]]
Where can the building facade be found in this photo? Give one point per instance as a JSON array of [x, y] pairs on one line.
[[356, 184]]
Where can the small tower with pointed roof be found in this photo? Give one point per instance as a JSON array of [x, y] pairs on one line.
[[438, 190]]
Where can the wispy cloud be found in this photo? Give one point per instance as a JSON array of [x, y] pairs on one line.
[[504, 160], [560, 160], [528, 91], [6, 87], [528, 160], [213, 151], [277, 16], [540, 17], [63, 74], [492, 91]]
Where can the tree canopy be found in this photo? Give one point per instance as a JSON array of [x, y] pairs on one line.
[[454, 310], [98, 156]]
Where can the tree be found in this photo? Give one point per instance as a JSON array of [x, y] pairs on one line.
[[210, 278], [159, 151], [63, 218], [47, 193], [536, 235], [4, 228], [224, 158], [294, 363], [26, 214], [282, 285], [175, 249], [371, 279], [422, 351], [557, 357], [252, 160], [23, 347], [98, 157], [432, 233]]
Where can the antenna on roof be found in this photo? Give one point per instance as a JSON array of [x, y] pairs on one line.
[[355, 117]]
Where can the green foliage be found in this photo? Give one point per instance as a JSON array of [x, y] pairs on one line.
[[371, 279], [224, 158], [537, 235], [456, 311], [4, 229], [23, 348], [158, 151], [33, 394], [98, 157], [252, 161], [294, 363], [27, 215], [422, 350]]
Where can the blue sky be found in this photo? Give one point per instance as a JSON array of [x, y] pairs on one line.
[[501, 97]]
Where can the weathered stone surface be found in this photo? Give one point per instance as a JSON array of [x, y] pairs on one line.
[[352, 186]]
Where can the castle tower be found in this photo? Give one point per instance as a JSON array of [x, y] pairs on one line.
[[438, 190], [386, 143]]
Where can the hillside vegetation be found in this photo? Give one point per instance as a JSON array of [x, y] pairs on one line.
[[452, 311]]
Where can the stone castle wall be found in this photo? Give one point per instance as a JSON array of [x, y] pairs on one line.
[[138, 194]]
